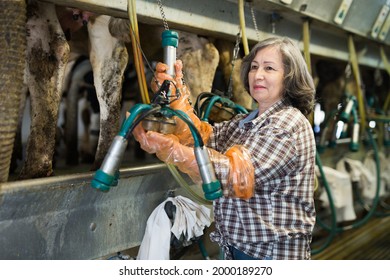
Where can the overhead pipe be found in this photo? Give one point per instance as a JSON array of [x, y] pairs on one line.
[[356, 73], [138, 60], [241, 13], [306, 53]]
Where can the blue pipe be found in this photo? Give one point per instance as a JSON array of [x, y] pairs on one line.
[[225, 101], [108, 174], [333, 227]]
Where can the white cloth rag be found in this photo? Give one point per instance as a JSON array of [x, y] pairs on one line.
[[190, 220], [341, 189], [369, 191]]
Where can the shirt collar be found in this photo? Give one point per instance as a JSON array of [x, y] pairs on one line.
[[248, 118], [254, 114]]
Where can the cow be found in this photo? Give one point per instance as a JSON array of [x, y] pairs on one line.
[[52, 44], [48, 53]]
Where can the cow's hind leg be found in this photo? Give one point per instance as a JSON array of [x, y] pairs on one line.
[[47, 56], [109, 59]]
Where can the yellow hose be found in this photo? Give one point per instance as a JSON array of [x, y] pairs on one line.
[[355, 68], [384, 60], [387, 103], [306, 54], [306, 44], [183, 183], [387, 67], [138, 61], [242, 26]]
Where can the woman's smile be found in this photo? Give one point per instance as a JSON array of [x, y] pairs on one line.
[[266, 76]]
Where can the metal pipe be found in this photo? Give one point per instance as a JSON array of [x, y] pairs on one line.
[[170, 41]]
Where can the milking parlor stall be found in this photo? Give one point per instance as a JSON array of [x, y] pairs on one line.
[[74, 184]]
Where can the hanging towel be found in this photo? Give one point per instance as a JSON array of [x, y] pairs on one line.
[[190, 219], [156, 241], [369, 162], [341, 190], [359, 173]]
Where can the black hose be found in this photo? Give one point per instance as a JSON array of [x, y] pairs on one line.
[[140, 118]]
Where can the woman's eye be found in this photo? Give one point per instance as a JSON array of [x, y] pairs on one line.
[[269, 68], [253, 67]]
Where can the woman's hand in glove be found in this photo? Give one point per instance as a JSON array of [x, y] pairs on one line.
[[235, 167], [180, 96], [168, 149]]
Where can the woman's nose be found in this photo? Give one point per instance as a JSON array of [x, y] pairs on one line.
[[259, 75]]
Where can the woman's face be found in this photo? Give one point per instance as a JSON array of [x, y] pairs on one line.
[[265, 77]]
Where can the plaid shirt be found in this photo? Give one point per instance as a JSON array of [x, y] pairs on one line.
[[278, 220]]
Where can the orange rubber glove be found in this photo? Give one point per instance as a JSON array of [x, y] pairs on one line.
[[168, 149], [241, 172], [182, 131], [235, 169]]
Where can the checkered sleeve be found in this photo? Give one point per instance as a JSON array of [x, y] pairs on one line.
[[273, 154]]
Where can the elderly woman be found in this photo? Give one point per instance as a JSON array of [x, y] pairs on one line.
[[265, 160]]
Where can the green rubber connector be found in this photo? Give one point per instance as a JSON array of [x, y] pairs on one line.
[[354, 147], [212, 190], [344, 117], [103, 181], [170, 38]]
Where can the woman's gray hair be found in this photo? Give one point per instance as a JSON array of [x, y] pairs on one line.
[[298, 83]]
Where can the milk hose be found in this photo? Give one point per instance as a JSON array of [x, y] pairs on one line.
[[333, 227], [242, 25]]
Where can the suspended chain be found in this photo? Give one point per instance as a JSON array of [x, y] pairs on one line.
[[254, 21], [160, 6], [165, 23], [234, 58], [236, 47]]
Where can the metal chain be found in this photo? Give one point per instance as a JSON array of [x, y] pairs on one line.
[[254, 21], [236, 46], [236, 50], [160, 6], [165, 22]]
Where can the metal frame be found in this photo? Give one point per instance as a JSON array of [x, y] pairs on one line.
[[219, 18], [63, 217]]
